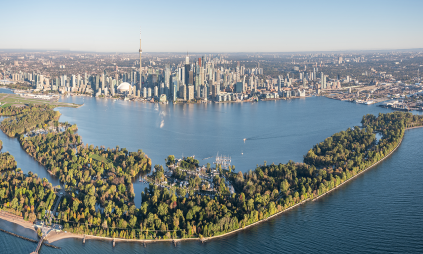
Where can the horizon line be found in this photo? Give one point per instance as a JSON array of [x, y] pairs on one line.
[[207, 52]]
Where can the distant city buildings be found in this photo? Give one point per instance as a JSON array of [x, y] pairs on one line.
[[199, 78]]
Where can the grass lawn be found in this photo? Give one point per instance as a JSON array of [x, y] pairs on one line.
[[101, 159], [6, 105], [11, 99]]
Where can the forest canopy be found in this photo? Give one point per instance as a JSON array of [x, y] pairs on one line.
[[99, 177]]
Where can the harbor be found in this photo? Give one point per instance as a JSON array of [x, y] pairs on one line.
[[186, 174]]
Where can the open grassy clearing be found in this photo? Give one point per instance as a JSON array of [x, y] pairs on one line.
[[13, 99], [102, 159], [99, 158], [6, 105]]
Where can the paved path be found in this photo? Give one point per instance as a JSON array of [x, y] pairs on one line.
[[57, 203]]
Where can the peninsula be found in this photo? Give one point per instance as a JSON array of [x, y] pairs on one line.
[[96, 196]]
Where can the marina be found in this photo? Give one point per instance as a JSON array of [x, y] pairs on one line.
[[196, 178]]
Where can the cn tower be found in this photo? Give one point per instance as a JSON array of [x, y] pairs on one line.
[[140, 66]]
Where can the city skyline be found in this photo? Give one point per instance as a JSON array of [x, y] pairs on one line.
[[222, 27], [102, 143]]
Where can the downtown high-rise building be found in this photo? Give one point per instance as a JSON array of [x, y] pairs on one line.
[[322, 80], [190, 92], [140, 79]]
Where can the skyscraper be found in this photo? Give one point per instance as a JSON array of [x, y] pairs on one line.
[[72, 81], [239, 87], [174, 90], [156, 91], [279, 83], [102, 82], [190, 78], [190, 92], [97, 83], [183, 92], [187, 71], [322, 80], [167, 75], [63, 80], [140, 85], [214, 92], [183, 75]]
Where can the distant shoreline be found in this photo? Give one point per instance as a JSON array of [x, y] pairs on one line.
[[139, 99]]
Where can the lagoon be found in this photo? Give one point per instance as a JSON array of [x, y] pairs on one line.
[[377, 212]]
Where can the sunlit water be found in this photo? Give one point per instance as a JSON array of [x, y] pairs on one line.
[[380, 211]]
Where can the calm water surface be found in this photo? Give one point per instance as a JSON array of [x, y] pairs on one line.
[[381, 211]]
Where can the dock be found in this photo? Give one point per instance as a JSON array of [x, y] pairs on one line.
[[45, 231], [31, 240], [39, 245]]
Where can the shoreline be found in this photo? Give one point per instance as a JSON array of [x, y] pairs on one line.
[[139, 99], [17, 220], [24, 225], [362, 171], [56, 236], [62, 235], [416, 127]]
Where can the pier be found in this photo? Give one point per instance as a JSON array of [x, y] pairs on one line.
[[38, 246], [31, 240], [45, 231]]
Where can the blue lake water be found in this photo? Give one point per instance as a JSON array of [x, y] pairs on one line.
[[379, 212]]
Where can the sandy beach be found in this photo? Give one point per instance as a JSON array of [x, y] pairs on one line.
[[17, 220]]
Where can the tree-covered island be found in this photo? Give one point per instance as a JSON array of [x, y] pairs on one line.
[[98, 193]]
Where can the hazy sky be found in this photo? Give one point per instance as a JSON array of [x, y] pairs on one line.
[[211, 26]]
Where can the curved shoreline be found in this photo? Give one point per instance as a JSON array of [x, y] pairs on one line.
[[71, 235], [362, 171], [52, 237], [25, 225], [63, 235], [16, 220]]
